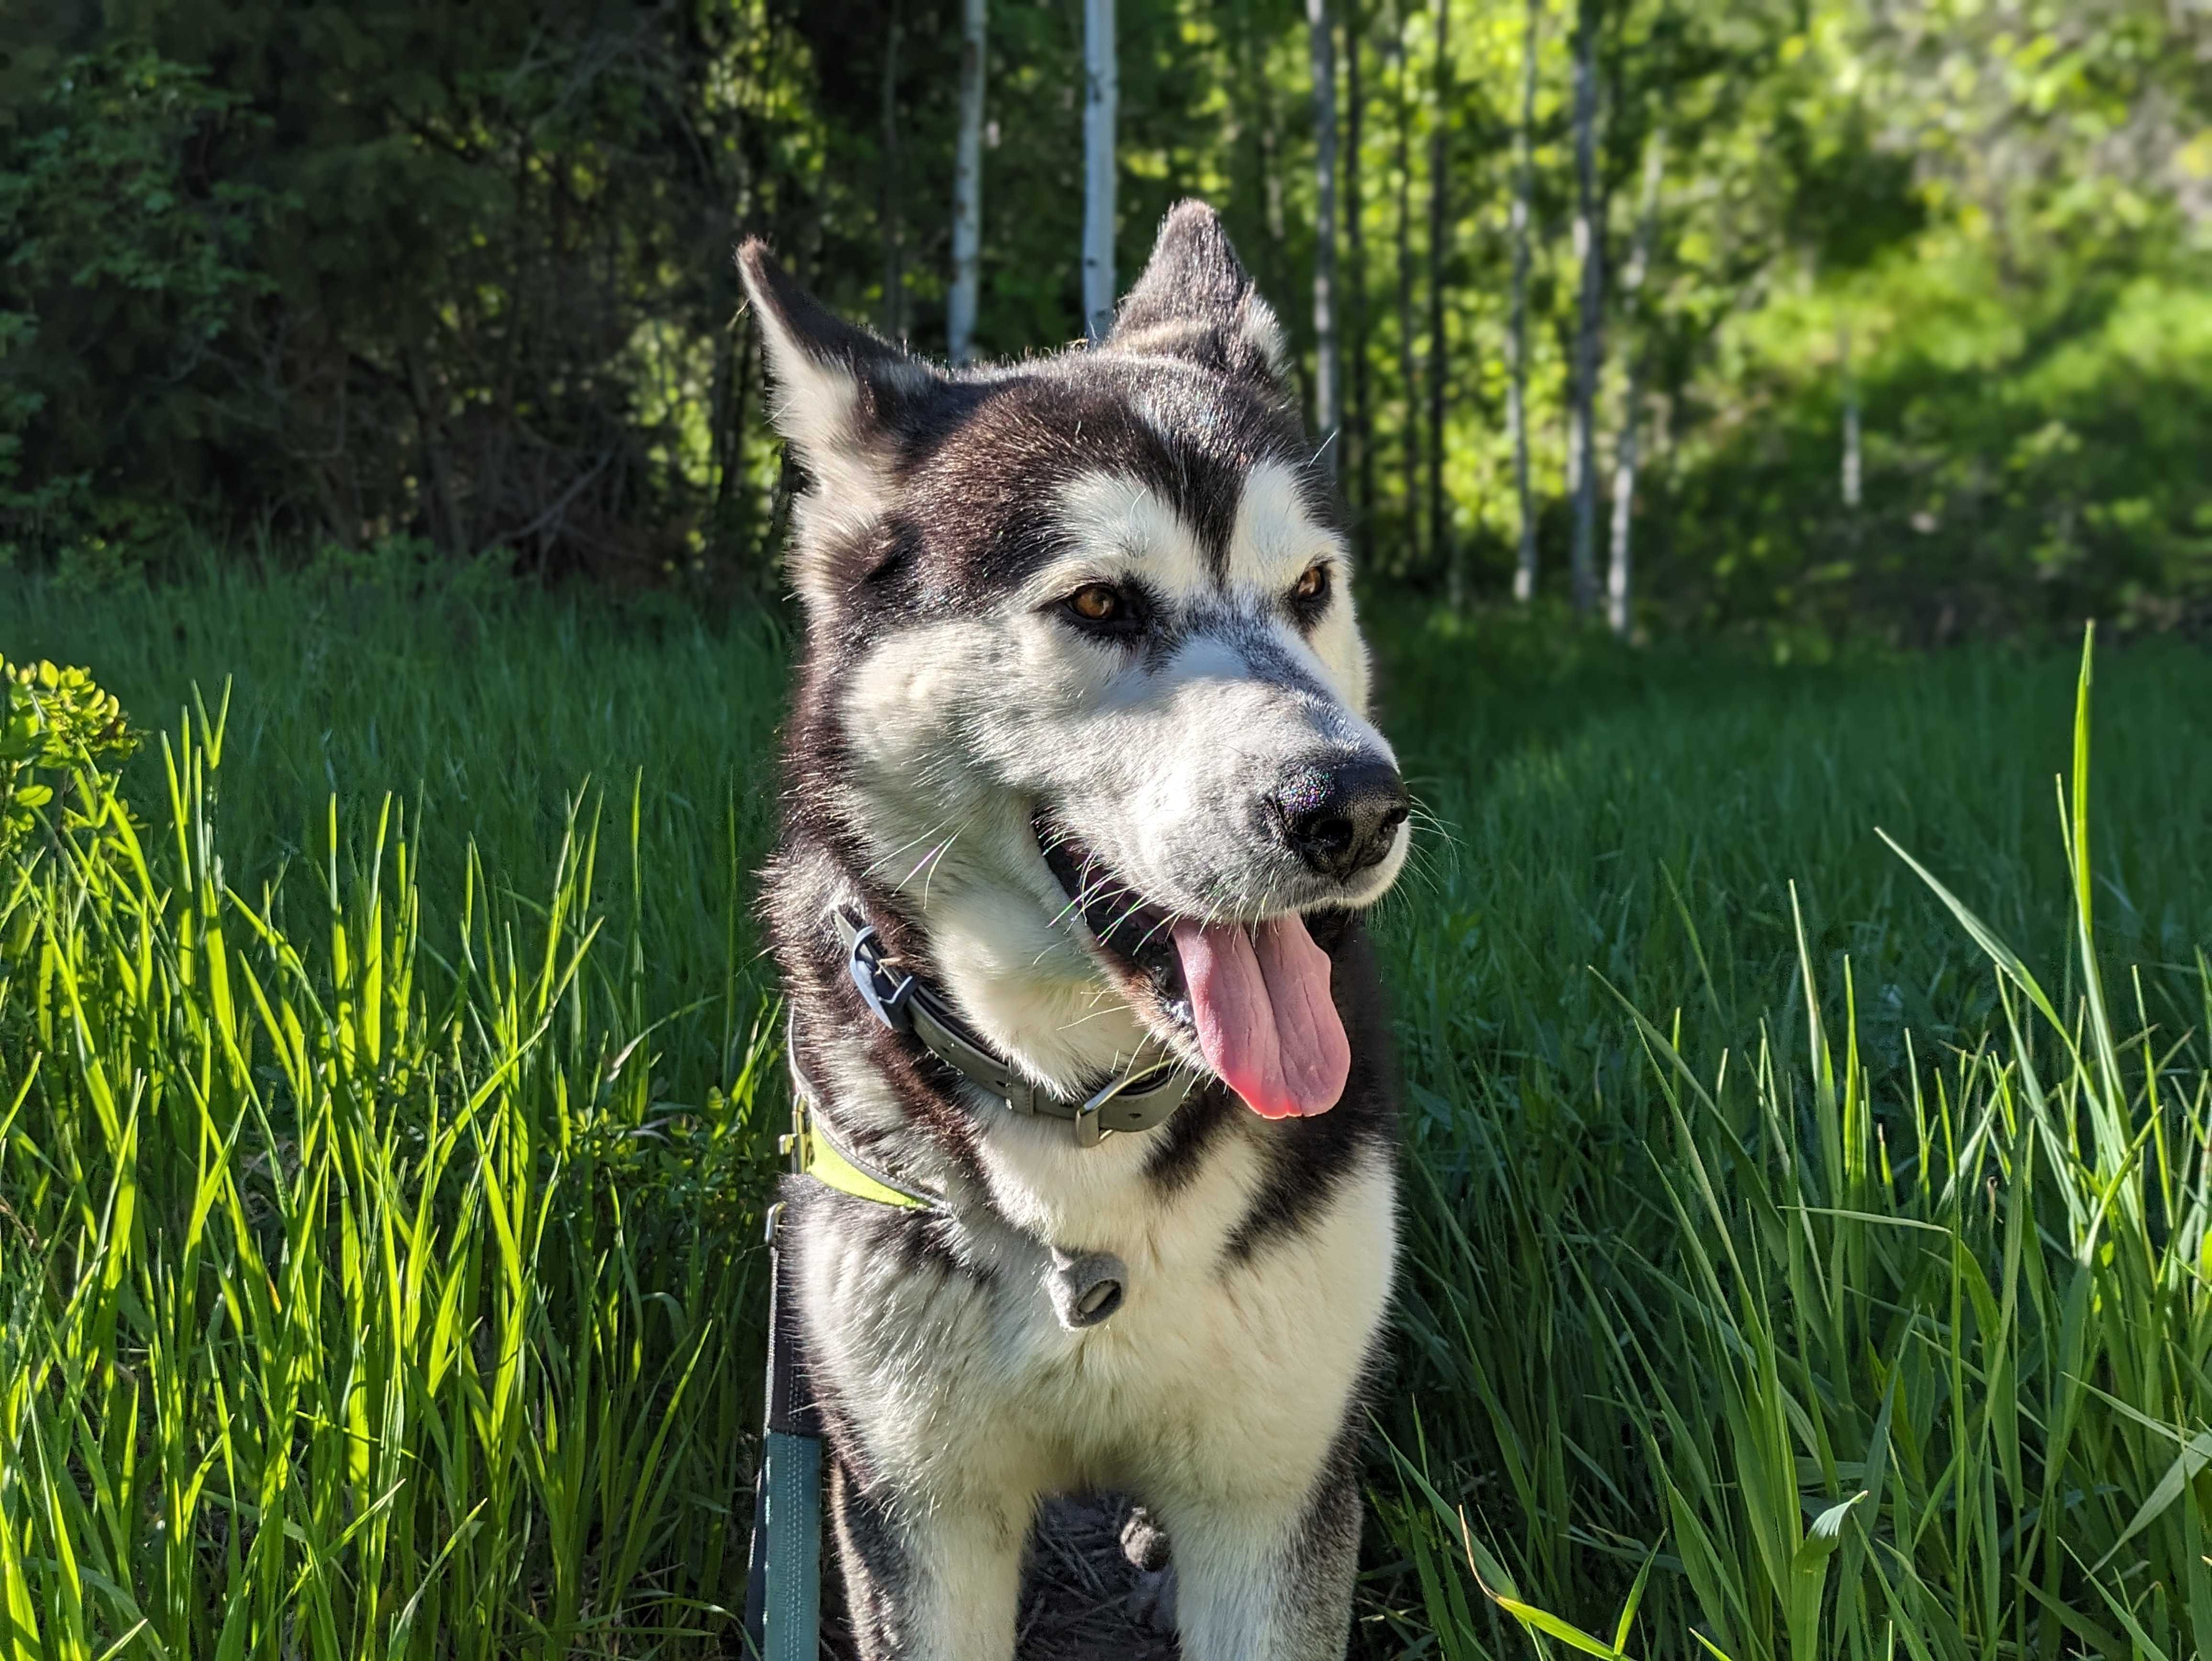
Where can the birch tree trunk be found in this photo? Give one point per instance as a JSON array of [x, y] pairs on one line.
[[1852, 490], [1101, 93], [1408, 368], [894, 319], [1516, 389], [967, 189], [1618, 569], [1361, 425], [1268, 131], [1268, 258], [1329, 414], [1590, 333], [1569, 412], [1440, 540]]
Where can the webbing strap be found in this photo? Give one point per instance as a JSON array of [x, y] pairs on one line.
[[1137, 1099], [783, 1591], [793, 1478], [822, 1158]]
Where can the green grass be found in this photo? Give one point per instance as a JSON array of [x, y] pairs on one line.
[[383, 1115]]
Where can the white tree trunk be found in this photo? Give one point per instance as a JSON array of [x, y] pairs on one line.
[[1617, 574], [1618, 567], [1441, 544], [1516, 389], [894, 319], [967, 188], [1328, 411], [1590, 333], [1409, 372], [1852, 489], [1360, 420], [1102, 91]]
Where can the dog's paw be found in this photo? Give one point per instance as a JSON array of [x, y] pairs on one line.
[[1143, 1542], [1152, 1602]]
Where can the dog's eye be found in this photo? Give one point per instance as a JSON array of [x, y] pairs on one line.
[[1097, 602], [1106, 608], [1113, 610], [1311, 588]]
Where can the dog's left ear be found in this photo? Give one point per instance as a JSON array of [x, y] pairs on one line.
[[837, 390], [1196, 301]]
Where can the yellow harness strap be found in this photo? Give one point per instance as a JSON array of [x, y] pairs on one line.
[[823, 1159]]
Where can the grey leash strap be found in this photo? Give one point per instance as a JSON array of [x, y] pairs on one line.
[[783, 1588]]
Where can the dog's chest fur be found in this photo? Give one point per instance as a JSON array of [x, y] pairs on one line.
[[1229, 1362]]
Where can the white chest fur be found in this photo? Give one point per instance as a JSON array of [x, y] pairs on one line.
[[1225, 1376]]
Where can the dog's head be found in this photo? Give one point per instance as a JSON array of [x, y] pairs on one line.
[[1091, 694]]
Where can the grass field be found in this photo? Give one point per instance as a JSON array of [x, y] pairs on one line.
[[383, 1107]]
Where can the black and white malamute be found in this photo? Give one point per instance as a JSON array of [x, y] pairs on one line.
[[1082, 806]]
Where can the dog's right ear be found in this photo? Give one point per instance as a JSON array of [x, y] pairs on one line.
[[836, 390]]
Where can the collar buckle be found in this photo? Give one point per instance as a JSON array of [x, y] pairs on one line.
[[1145, 1081], [1139, 1099], [887, 995]]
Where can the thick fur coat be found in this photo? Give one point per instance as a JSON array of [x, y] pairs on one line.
[[1081, 730]]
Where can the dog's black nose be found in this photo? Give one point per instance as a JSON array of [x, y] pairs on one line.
[[1341, 816]]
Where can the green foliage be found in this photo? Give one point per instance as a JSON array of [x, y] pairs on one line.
[[397, 272], [57, 731], [2029, 451], [2024, 462], [125, 269], [388, 270]]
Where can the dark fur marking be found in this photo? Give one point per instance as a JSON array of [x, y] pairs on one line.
[[979, 468], [1308, 1159], [1180, 1145], [1325, 1553], [916, 1240], [1271, 660], [984, 490], [1331, 1523], [1195, 301], [877, 1572], [811, 954]]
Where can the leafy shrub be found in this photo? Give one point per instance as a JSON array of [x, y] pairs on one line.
[[127, 269], [55, 725]]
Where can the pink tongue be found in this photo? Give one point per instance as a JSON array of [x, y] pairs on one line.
[[1266, 1020]]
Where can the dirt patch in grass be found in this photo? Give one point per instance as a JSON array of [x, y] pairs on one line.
[[1082, 1598]]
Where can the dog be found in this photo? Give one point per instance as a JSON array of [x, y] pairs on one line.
[[1082, 809]]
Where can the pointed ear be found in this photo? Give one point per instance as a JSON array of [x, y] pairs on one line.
[[1196, 301], [836, 390]]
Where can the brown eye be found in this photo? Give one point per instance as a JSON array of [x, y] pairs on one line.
[[1108, 611], [1095, 603], [1312, 587]]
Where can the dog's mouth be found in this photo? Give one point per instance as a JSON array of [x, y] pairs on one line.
[[1136, 936], [1253, 999]]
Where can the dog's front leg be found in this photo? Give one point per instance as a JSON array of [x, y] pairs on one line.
[[928, 1579], [1259, 1579]]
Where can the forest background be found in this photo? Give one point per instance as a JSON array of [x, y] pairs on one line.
[[1877, 315]]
